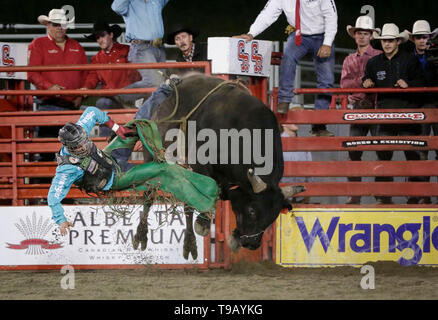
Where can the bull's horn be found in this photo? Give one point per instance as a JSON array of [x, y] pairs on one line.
[[289, 191], [258, 185]]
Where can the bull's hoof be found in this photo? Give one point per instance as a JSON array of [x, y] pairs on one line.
[[190, 247], [136, 241], [202, 225]]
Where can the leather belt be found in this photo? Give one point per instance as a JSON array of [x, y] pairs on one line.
[[142, 41]]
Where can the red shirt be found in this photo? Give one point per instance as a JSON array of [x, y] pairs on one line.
[[112, 79], [44, 51], [353, 71]]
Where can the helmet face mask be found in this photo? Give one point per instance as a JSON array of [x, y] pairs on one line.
[[75, 139]]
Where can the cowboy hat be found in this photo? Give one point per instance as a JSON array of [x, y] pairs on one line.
[[363, 23], [171, 36], [101, 26], [391, 31], [56, 16], [421, 27]]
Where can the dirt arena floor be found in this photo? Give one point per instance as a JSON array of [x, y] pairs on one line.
[[245, 281]]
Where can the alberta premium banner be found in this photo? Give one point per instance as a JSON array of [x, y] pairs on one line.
[[99, 236]]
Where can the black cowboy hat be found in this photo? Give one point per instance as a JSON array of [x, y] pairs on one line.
[[101, 26], [179, 29]]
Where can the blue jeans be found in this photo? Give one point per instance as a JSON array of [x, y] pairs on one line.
[[147, 53], [324, 68], [157, 97]]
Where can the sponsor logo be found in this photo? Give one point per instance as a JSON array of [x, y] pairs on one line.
[[372, 237], [7, 60], [34, 232], [52, 51], [415, 116], [376, 142]]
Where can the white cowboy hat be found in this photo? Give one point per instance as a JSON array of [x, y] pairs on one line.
[[391, 31], [55, 16], [363, 23], [421, 27]]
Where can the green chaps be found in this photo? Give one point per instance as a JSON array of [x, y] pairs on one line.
[[193, 189]]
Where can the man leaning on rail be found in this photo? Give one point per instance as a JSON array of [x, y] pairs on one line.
[[80, 162], [353, 70], [394, 69]]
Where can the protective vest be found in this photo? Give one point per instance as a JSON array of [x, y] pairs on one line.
[[98, 168]]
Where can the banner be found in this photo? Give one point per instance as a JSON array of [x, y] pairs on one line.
[[13, 54], [236, 56], [28, 236], [353, 237]]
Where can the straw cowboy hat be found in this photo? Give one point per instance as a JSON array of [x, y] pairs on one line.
[[55, 16], [363, 23], [102, 26], [421, 27], [391, 31]]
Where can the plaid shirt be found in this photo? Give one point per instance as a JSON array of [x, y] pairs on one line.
[[353, 71]]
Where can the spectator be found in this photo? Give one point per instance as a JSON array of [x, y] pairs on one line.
[[353, 71], [112, 52], [144, 30], [315, 24], [420, 36], [394, 69], [291, 130], [56, 49], [188, 51]]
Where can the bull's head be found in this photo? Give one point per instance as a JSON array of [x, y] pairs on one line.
[[256, 208]]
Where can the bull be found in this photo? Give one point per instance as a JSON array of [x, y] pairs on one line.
[[256, 199]]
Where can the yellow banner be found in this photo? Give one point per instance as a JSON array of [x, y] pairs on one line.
[[337, 237]]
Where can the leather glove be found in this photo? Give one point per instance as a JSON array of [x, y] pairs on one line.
[[121, 131]]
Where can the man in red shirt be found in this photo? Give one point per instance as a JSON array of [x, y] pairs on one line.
[[56, 49], [353, 70], [112, 52]]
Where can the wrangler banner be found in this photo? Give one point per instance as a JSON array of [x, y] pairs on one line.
[[339, 237]]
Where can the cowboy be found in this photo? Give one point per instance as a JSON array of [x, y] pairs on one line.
[[421, 35], [56, 49], [394, 69], [353, 70], [189, 51], [111, 52], [80, 162], [315, 24]]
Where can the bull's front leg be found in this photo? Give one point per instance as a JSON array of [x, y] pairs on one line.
[[189, 237], [141, 237]]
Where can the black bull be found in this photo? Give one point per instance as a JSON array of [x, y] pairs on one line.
[[255, 200]]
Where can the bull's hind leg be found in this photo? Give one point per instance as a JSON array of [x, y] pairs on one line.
[[189, 237], [202, 224], [141, 237]]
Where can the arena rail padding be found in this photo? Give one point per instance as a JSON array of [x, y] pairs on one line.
[[15, 174], [343, 115]]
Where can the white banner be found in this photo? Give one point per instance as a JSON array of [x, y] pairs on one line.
[[236, 56], [28, 236], [13, 54]]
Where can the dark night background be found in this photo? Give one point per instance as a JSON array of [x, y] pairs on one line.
[[228, 17]]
